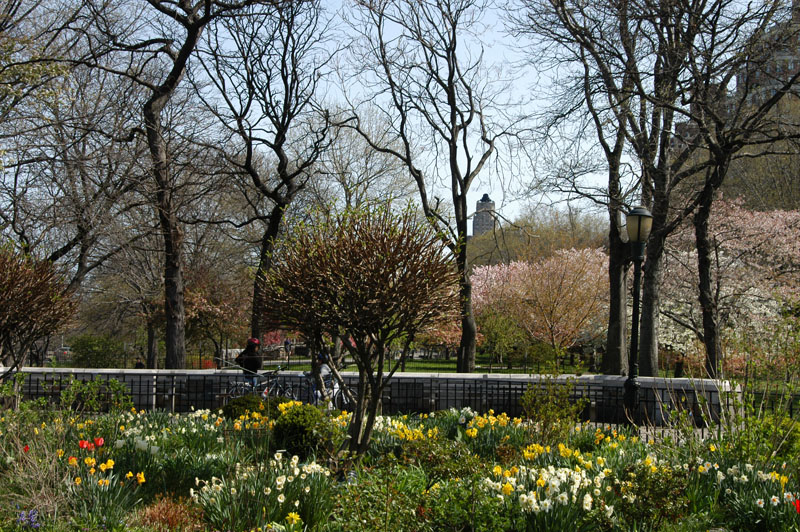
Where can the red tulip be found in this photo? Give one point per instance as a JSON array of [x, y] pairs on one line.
[[797, 505], [90, 446], [26, 449], [83, 444], [99, 442]]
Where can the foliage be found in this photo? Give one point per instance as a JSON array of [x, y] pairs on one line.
[[548, 407], [96, 395], [501, 338], [239, 406], [96, 351], [538, 233], [103, 497], [32, 479], [451, 470], [33, 304], [375, 276], [773, 435], [171, 451], [302, 430], [214, 306]]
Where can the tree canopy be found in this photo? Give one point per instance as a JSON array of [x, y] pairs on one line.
[[368, 275]]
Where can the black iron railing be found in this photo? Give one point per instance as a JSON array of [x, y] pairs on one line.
[[660, 399]]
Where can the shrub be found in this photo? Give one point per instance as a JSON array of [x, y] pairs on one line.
[[302, 430], [441, 459], [33, 303], [95, 396], [96, 351], [238, 407], [550, 410], [652, 494], [772, 436]]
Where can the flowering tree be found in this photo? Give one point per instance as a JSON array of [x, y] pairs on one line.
[[559, 300], [32, 305], [370, 275], [756, 260]]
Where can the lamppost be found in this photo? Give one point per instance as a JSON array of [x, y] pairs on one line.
[[638, 221]]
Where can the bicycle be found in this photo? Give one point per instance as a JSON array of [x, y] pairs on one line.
[[268, 385], [336, 396]]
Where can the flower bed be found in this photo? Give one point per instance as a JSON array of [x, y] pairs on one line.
[[452, 470]]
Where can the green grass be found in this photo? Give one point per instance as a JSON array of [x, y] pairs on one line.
[[441, 365]]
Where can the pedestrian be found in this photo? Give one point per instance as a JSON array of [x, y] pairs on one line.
[[250, 360]]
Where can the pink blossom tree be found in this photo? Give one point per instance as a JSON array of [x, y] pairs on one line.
[[560, 300]]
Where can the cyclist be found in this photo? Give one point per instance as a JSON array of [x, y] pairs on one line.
[[250, 360]]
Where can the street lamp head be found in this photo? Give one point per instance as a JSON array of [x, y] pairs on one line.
[[638, 221]]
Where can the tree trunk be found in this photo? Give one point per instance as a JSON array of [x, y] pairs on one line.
[[175, 337], [264, 263], [615, 360], [173, 239], [648, 337], [175, 334], [465, 361], [357, 422], [708, 302], [152, 345]]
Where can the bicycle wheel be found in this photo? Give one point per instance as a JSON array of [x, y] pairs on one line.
[[276, 389], [287, 392], [239, 389], [341, 402]]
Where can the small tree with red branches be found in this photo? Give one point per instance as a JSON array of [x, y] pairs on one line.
[[377, 277], [33, 304]]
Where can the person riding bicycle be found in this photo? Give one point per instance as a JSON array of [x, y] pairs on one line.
[[250, 360]]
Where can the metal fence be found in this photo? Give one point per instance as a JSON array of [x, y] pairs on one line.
[[408, 393]]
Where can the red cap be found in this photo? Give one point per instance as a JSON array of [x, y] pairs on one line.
[[253, 341]]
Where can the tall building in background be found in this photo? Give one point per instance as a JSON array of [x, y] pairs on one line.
[[483, 220]]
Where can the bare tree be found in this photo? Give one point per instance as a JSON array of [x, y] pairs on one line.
[[263, 69], [69, 173], [153, 46], [36, 36], [435, 93], [352, 173], [749, 51]]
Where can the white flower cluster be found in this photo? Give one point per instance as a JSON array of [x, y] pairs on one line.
[[282, 472], [147, 435], [543, 489]]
